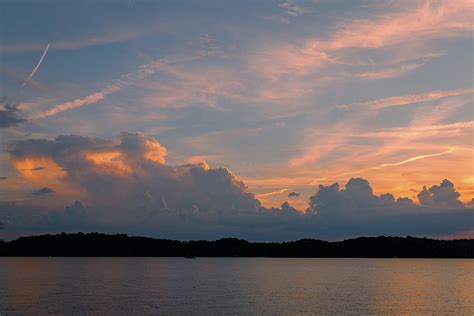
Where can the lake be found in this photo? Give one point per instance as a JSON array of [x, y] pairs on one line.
[[233, 286]]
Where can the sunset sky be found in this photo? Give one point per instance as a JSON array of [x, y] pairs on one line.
[[151, 117]]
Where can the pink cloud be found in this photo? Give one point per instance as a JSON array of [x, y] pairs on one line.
[[407, 99], [416, 24]]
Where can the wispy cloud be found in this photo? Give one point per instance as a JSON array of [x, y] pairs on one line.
[[125, 80], [293, 8], [90, 99], [271, 193], [388, 73], [431, 19], [117, 35], [429, 114], [421, 131], [415, 24], [407, 99]]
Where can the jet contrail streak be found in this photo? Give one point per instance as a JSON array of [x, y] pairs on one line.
[[37, 66], [113, 86], [271, 193], [384, 165]]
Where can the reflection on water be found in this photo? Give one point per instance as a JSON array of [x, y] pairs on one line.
[[235, 286]]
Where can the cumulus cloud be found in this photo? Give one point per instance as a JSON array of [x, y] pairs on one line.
[[133, 171], [125, 185], [358, 199], [10, 116], [442, 195], [470, 203]]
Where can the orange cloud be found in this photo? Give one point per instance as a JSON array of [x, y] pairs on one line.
[[45, 172], [155, 152], [280, 191], [110, 161]]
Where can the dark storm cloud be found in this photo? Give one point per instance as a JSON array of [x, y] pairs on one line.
[[126, 186], [10, 116]]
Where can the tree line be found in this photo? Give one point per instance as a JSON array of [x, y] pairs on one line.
[[122, 245]]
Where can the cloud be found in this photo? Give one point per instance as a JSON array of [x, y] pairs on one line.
[[331, 202], [390, 71], [3, 178], [422, 21], [42, 191], [293, 194], [35, 169], [280, 191], [208, 47], [90, 99], [358, 209], [125, 185], [133, 169], [293, 8], [72, 216], [407, 99], [442, 195], [10, 116], [119, 34], [420, 131], [470, 203], [385, 165], [357, 200], [288, 210], [114, 86], [415, 24]]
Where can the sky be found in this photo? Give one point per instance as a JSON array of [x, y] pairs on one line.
[[265, 120]]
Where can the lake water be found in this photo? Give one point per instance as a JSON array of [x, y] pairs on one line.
[[232, 286]]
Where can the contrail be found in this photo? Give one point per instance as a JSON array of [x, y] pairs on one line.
[[271, 193], [37, 66], [113, 86], [384, 165]]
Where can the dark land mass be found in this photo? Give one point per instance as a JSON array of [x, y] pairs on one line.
[[121, 245]]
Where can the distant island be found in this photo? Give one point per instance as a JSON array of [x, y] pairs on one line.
[[122, 245]]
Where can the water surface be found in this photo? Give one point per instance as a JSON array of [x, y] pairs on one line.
[[163, 286]]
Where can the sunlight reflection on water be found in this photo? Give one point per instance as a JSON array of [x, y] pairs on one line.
[[235, 286]]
